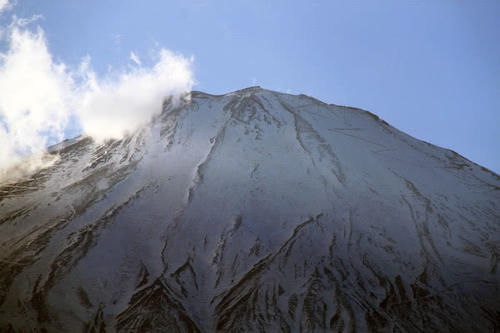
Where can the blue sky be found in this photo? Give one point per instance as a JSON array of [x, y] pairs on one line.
[[430, 68]]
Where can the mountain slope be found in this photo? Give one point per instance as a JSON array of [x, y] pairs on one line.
[[253, 211]]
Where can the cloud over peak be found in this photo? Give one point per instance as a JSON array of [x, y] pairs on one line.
[[38, 95], [35, 97], [112, 107]]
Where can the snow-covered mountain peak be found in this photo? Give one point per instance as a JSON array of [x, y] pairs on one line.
[[254, 211]]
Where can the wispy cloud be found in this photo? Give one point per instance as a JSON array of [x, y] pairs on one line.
[[38, 95], [135, 58], [116, 39]]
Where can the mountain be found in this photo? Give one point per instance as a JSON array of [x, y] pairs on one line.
[[252, 211]]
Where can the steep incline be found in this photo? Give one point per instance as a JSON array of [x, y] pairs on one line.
[[253, 211]]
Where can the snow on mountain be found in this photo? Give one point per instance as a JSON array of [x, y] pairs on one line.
[[252, 211]]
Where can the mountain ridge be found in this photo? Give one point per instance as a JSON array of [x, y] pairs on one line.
[[253, 210]]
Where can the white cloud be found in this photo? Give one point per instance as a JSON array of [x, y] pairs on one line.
[[35, 95], [38, 96], [116, 39], [113, 107], [135, 58], [4, 4]]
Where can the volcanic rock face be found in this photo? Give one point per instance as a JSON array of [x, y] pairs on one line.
[[252, 211]]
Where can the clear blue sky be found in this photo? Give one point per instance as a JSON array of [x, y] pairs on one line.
[[430, 68]]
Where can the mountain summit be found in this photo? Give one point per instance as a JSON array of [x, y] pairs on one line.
[[252, 211]]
